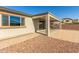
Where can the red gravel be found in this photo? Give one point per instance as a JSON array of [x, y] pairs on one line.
[[43, 44]]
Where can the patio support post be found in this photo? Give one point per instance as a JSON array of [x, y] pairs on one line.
[[60, 25], [48, 25]]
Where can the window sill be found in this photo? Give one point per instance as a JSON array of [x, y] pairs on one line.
[[12, 27]]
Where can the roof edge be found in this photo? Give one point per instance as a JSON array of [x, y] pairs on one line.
[[44, 14], [14, 11]]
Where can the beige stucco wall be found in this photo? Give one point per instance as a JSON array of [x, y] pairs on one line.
[[13, 32], [0, 20], [36, 24]]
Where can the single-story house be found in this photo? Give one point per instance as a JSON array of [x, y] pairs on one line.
[[14, 23], [67, 20]]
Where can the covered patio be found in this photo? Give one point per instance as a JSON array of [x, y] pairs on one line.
[[44, 22]]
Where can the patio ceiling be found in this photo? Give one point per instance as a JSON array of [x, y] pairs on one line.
[[54, 20]]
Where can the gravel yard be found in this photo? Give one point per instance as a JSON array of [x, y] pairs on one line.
[[42, 44]]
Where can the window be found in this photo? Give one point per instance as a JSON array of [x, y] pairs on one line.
[[5, 21], [14, 21], [41, 25], [22, 22]]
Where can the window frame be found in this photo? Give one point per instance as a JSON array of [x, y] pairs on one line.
[[9, 22]]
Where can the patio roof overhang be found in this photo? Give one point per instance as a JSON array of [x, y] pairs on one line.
[[47, 17], [44, 15]]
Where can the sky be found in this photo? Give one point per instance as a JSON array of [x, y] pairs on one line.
[[58, 11]]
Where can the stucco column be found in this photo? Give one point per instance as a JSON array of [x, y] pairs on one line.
[[48, 25]]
